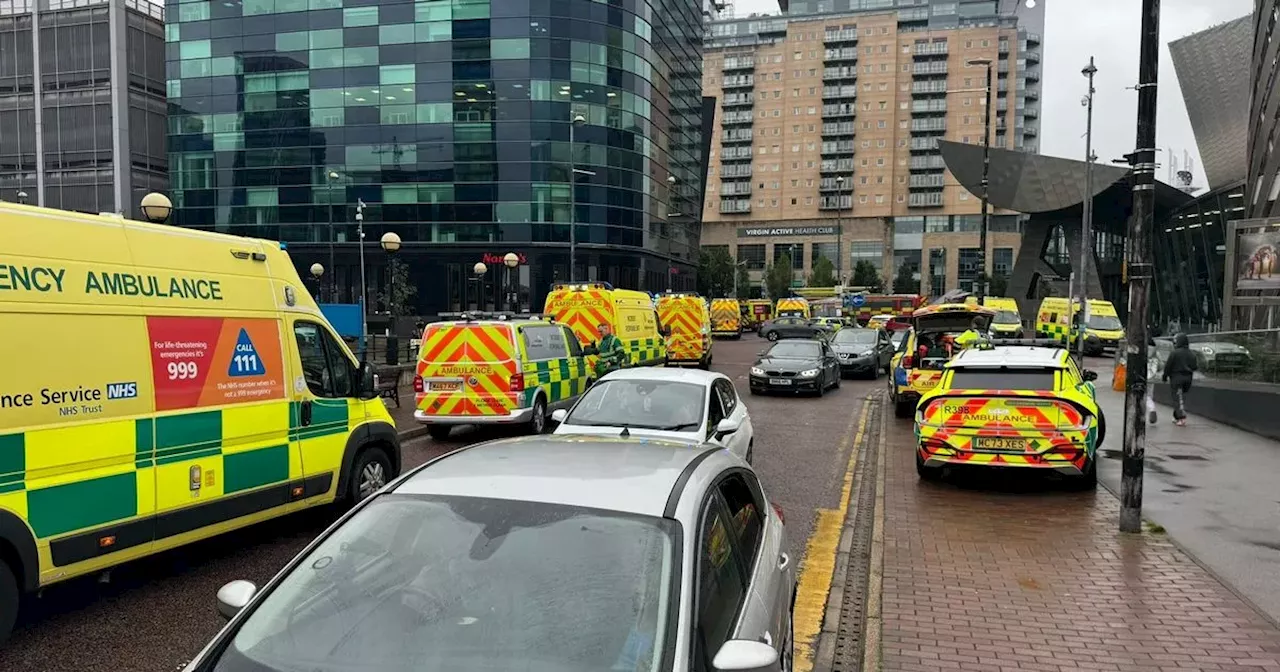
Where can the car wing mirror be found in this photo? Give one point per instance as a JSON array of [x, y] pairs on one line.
[[726, 427], [558, 415], [233, 597], [1090, 376], [744, 654]]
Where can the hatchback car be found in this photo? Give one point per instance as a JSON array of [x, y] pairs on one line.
[[540, 553], [796, 365], [865, 352], [792, 327], [676, 404]]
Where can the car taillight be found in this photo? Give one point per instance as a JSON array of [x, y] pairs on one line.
[[778, 510], [417, 385], [517, 382], [908, 361]]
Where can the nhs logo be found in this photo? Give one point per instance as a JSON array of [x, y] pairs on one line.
[[122, 390]]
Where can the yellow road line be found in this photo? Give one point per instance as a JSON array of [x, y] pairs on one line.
[[819, 563], [875, 575]]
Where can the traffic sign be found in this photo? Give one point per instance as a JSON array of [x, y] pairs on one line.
[[856, 300]]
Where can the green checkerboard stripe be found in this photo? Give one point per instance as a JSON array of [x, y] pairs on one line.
[[559, 379], [645, 351], [13, 462]]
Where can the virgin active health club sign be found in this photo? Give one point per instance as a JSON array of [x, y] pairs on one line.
[[768, 232]]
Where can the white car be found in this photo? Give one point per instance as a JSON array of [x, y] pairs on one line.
[[672, 404]]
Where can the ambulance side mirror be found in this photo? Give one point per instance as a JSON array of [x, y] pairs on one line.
[[367, 381], [1090, 376], [592, 349]]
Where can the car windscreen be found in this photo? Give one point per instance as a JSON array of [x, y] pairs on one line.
[[1001, 379], [1104, 323], [641, 404], [443, 584], [795, 350], [1006, 317], [855, 337]]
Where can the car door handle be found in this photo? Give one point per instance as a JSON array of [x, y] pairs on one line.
[[784, 560]]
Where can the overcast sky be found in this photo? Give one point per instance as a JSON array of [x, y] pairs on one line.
[[1108, 30]]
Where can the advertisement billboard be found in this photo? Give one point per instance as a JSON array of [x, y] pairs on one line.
[[1257, 258]]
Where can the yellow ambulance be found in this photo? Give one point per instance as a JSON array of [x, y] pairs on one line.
[[1103, 331], [1006, 323], [164, 385], [631, 314], [793, 307], [687, 319], [726, 318]]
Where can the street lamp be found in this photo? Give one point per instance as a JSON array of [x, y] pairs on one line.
[[364, 291], [156, 207], [986, 182], [840, 229], [330, 178], [391, 244], [317, 271], [22, 197], [578, 120], [511, 259], [479, 269], [1086, 226]]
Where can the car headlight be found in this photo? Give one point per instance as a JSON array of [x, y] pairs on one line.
[[1207, 351], [757, 371], [810, 373]]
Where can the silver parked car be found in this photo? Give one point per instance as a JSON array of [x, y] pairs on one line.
[[540, 553]]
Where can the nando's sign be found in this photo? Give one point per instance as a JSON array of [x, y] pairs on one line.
[[491, 259]]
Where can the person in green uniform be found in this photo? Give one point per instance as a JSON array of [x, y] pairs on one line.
[[612, 354], [973, 337]]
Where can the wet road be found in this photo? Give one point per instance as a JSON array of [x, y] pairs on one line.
[[154, 614]]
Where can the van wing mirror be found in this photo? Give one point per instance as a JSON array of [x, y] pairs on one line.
[[591, 349], [1090, 376], [366, 381]]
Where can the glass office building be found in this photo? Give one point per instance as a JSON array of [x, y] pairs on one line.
[[451, 121]]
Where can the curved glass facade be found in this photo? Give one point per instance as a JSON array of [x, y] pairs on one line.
[[1190, 260], [451, 121]]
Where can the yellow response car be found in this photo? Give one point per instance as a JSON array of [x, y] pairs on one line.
[[164, 385], [917, 365], [1021, 406]]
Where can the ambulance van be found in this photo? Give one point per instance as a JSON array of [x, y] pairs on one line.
[[1103, 331], [163, 386], [631, 314], [687, 320], [726, 318], [1006, 323]]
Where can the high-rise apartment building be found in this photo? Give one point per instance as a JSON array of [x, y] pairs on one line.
[[453, 122], [826, 134], [82, 103]]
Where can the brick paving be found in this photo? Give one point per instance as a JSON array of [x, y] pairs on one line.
[[993, 573]]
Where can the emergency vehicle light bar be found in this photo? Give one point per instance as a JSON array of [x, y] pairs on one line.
[[470, 315], [581, 286]]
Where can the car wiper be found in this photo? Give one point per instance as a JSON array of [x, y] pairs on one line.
[[679, 427]]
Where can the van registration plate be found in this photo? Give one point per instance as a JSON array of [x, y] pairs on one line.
[[451, 386], [999, 443]]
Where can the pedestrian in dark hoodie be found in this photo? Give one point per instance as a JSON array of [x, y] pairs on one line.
[[1178, 370]]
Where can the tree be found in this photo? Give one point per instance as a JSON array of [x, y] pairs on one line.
[[777, 277], [866, 275], [744, 283], [905, 282], [400, 292], [715, 272], [999, 286], [824, 273]]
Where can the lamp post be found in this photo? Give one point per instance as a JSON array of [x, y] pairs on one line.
[[986, 174], [330, 178], [1086, 226], [479, 269], [156, 207], [22, 197], [317, 271], [364, 292], [512, 260], [391, 244], [578, 120], [839, 228]]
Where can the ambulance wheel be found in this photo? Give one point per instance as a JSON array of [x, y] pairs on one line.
[[439, 432], [371, 471], [8, 600], [839, 377], [1102, 428], [538, 422], [926, 473]]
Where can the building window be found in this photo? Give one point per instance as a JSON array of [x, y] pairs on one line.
[[1002, 262], [937, 271], [967, 273], [795, 250], [753, 256], [820, 250], [937, 224], [867, 250]]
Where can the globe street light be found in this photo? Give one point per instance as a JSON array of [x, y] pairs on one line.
[[391, 244], [479, 269], [578, 120], [317, 270], [512, 260], [330, 178], [156, 207], [22, 197]]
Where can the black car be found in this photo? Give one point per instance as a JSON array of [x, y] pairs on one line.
[[796, 365], [792, 327], [864, 352]]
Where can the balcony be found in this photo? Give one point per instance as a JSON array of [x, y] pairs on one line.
[[913, 15], [839, 110], [930, 49], [739, 63], [1031, 112], [739, 82], [738, 99], [840, 91], [728, 189], [927, 87], [735, 170], [735, 206], [932, 106], [1031, 93], [830, 147], [838, 128], [736, 135], [843, 35], [1031, 74], [926, 144], [837, 55], [1032, 57], [1004, 46], [840, 72], [1031, 131], [735, 153], [927, 199], [929, 125], [835, 202], [833, 184], [933, 162], [1033, 38], [928, 68], [737, 117], [928, 181], [837, 166]]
